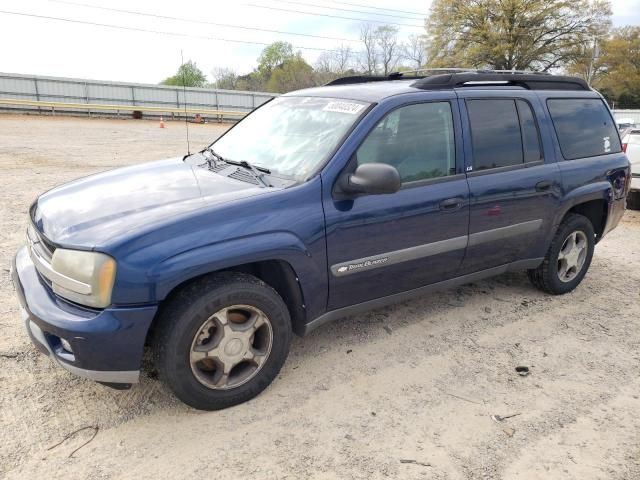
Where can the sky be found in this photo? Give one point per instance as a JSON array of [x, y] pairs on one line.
[[200, 29]]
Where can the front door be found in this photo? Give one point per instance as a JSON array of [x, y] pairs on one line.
[[378, 245]]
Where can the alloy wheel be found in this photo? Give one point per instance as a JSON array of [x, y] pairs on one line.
[[572, 256], [230, 347]]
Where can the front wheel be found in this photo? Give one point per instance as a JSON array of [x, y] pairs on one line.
[[568, 257], [222, 340]]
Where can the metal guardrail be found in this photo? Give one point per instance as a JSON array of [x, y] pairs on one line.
[[127, 108], [108, 98]]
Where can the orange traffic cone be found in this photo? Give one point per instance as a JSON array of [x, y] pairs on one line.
[[161, 122]]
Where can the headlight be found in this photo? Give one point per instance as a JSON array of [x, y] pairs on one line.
[[83, 277]]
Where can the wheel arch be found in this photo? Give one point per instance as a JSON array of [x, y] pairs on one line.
[[279, 274], [590, 201]]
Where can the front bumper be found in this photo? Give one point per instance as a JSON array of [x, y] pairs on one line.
[[107, 344]]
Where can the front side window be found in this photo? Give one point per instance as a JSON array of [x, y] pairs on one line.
[[417, 140], [584, 127], [291, 135]]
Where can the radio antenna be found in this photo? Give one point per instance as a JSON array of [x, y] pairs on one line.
[[184, 94]]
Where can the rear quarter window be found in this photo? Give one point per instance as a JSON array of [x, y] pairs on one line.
[[584, 127]]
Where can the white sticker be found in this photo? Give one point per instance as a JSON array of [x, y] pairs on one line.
[[343, 107], [607, 144]]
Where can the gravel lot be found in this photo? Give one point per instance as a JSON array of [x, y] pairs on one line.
[[402, 392]]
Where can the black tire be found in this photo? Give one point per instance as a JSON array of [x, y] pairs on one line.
[[633, 200], [546, 277], [181, 319]]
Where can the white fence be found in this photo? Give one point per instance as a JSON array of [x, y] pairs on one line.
[[76, 91], [634, 115]]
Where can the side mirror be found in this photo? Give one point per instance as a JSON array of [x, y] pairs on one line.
[[371, 178]]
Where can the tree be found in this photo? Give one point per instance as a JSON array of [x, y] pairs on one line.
[[415, 50], [273, 55], [586, 59], [225, 78], [511, 34], [619, 62], [386, 39], [336, 61], [334, 64], [293, 74], [369, 55], [188, 75]]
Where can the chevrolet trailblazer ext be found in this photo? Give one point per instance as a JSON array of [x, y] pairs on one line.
[[321, 203]]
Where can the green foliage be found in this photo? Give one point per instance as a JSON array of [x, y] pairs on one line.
[[273, 55], [512, 34], [188, 75], [292, 74], [619, 63]]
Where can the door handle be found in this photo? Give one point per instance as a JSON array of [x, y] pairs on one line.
[[543, 186], [451, 204]]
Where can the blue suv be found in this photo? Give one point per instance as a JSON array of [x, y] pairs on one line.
[[320, 204]]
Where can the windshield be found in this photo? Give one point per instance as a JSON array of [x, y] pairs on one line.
[[290, 135]]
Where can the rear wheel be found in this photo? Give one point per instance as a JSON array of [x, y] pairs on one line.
[[222, 340], [568, 258], [633, 200]]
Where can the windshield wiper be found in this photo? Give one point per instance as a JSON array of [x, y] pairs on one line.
[[258, 172], [216, 158]]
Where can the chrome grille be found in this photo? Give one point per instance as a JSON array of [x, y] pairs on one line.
[[41, 253], [38, 244]]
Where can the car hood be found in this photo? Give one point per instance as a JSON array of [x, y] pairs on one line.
[[94, 210]]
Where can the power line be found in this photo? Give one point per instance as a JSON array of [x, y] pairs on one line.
[[332, 16], [347, 10], [193, 20], [145, 30], [379, 8]]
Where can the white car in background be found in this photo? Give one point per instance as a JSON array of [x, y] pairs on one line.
[[631, 145], [625, 124]]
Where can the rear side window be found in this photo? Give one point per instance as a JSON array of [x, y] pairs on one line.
[[584, 127], [504, 132], [530, 135], [495, 133]]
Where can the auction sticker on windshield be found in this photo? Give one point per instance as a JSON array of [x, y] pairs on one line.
[[343, 107]]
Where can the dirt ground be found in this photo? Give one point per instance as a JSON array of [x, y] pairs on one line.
[[405, 392]]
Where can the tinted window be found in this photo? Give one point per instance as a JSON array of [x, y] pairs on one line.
[[495, 133], [417, 140], [584, 127], [530, 136]]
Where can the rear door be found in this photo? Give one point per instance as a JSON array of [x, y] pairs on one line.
[[514, 186]]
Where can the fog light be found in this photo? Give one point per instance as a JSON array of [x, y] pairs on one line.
[[66, 345]]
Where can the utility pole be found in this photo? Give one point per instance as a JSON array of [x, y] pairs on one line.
[[595, 54]]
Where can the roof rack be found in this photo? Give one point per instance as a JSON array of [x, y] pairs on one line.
[[454, 77], [365, 79], [441, 70], [530, 81]]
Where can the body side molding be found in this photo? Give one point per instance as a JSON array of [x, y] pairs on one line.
[[398, 256], [401, 296], [435, 248]]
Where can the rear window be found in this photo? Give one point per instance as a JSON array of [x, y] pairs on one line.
[[584, 127]]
